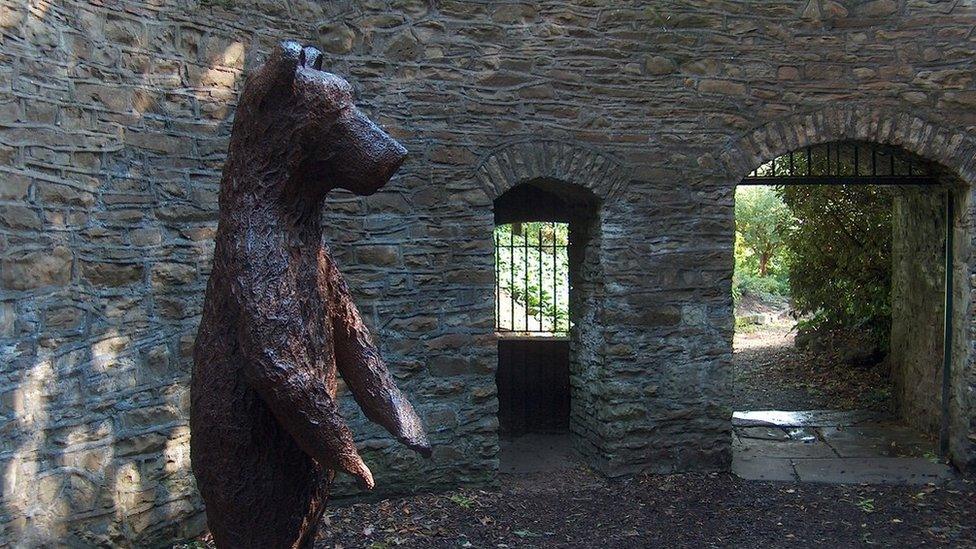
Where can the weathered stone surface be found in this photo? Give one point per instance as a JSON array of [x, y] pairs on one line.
[[20, 217], [658, 65], [114, 120], [918, 306], [726, 87], [336, 37], [172, 274], [111, 274], [26, 270]]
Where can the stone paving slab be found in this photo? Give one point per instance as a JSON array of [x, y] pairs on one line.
[[763, 468], [808, 449], [873, 470], [763, 433], [859, 447], [877, 440]]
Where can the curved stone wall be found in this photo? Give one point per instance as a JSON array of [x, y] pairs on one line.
[[114, 118]]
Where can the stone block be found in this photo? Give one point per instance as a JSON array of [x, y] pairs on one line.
[[26, 270], [658, 65], [148, 443], [403, 47], [168, 274], [336, 37], [63, 318], [383, 256], [20, 217], [14, 186], [456, 366], [453, 155], [725, 87], [111, 274]]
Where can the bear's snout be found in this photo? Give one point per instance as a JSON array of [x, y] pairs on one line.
[[367, 157]]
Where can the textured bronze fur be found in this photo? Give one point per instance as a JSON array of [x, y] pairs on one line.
[[267, 436]]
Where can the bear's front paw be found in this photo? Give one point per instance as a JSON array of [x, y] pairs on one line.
[[363, 475]]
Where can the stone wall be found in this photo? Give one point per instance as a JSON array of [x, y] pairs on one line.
[[114, 117], [918, 304]]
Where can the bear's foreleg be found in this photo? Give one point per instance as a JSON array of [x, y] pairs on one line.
[[364, 371], [279, 368]]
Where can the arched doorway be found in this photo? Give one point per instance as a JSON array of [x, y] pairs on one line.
[[583, 175], [919, 350], [540, 246]]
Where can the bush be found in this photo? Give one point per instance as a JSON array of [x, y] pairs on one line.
[[840, 272], [763, 286]]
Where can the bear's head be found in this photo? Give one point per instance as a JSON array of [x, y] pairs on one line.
[[290, 104]]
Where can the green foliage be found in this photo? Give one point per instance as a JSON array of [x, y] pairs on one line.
[[532, 266], [774, 285], [840, 271], [866, 505], [762, 222], [762, 258], [828, 247], [462, 501]]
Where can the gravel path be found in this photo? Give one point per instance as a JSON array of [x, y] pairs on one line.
[[770, 374]]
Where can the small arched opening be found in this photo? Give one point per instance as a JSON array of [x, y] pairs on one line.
[[541, 238]]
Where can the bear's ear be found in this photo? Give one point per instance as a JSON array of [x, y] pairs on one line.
[[286, 58], [311, 58]]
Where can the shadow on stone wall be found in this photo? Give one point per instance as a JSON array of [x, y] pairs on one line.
[[114, 129]]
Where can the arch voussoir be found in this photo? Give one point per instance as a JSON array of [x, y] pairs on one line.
[[521, 161], [947, 146]]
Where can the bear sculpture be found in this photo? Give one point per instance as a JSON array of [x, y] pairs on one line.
[[266, 433]]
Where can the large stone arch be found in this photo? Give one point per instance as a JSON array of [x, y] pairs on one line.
[[952, 149], [516, 162]]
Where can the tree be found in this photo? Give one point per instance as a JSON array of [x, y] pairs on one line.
[[762, 221]]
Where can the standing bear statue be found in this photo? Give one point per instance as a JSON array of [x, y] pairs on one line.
[[267, 436]]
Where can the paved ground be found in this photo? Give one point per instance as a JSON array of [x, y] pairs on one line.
[[833, 447], [830, 442]]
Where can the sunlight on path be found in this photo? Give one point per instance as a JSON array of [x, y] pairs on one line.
[[780, 334]]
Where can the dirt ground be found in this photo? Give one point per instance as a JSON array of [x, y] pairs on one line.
[[769, 373], [574, 507], [580, 509]]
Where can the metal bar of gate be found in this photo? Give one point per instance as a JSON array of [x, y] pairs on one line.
[[555, 281], [540, 278], [881, 180], [498, 285], [511, 274], [947, 326], [525, 275]]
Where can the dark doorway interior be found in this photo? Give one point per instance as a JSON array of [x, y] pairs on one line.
[[533, 385]]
